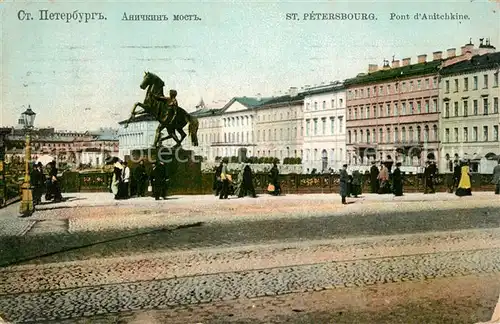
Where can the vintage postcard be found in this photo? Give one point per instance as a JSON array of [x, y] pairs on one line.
[[249, 161]]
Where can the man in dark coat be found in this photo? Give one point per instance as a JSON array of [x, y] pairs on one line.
[[37, 180], [357, 183], [217, 185], [274, 178], [159, 178], [397, 180], [140, 179], [496, 178], [55, 187], [374, 184], [344, 178], [457, 172]]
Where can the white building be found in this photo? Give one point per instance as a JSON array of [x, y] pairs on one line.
[[279, 131], [324, 122], [469, 97], [140, 134]]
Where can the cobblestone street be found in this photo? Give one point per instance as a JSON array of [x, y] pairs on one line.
[[267, 260]]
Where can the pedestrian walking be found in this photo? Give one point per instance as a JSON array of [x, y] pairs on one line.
[[224, 176], [374, 183], [217, 184], [344, 178], [429, 176], [274, 179], [37, 181], [496, 178], [159, 179], [116, 180], [238, 186], [383, 178], [457, 171], [247, 187], [125, 180], [357, 183], [54, 182], [140, 179], [397, 181], [464, 186]]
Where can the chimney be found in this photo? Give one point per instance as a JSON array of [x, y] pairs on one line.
[[469, 48], [293, 92], [463, 50], [406, 61], [451, 52], [395, 63], [437, 55], [372, 68], [422, 58]]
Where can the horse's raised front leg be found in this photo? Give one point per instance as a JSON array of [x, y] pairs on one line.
[[183, 134], [132, 114]]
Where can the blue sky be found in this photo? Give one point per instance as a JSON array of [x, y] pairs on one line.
[[239, 48]]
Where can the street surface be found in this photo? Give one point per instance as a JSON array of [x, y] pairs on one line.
[[290, 259]]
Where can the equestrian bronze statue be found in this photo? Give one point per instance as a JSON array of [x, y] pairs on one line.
[[165, 111]]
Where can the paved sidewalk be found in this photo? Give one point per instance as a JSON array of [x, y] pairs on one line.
[[99, 211]]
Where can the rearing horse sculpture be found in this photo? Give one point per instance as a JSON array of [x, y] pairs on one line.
[[159, 110]]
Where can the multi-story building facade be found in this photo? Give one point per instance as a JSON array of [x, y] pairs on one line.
[[279, 128], [139, 134], [393, 114], [469, 96], [324, 123]]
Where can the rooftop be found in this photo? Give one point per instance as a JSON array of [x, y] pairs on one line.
[[477, 62], [392, 73]]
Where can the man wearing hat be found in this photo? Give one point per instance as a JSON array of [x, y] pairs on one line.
[[37, 180], [374, 184], [397, 180], [344, 178]]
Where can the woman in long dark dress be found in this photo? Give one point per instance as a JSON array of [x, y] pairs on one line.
[[397, 181], [247, 187]]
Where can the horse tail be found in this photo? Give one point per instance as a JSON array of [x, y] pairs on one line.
[[193, 130]]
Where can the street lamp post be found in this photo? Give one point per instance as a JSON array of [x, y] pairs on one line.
[[27, 207]]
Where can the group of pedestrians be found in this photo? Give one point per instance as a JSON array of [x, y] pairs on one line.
[[126, 184], [47, 182], [224, 186]]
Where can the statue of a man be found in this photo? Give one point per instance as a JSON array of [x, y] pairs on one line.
[[172, 104]]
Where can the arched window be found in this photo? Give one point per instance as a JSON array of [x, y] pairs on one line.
[[435, 133], [380, 136], [426, 133], [396, 135], [355, 136], [410, 135], [419, 134], [349, 139], [403, 134], [388, 135], [368, 136], [361, 138]]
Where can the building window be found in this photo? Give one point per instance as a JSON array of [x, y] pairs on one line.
[[447, 135], [403, 134], [355, 136], [403, 108], [388, 135], [455, 134], [368, 136], [485, 133], [495, 79], [427, 106], [332, 125], [419, 84], [485, 106], [410, 134], [485, 81], [307, 106], [367, 112], [495, 133], [475, 107], [341, 101], [396, 109], [308, 125], [349, 116], [349, 139], [466, 84], [411, 85], [380, 136], [315, 105], [419, 134], [323, 121], [474, 134], [426, 133], [333, 103], [388, 89], [446, 109], [380, 90], [341, 126], [361, 136], [495, 105], [374, 112], [457, 113], [388, 108], [324, 105], [474, 87], [355, 113], [466, 134], [396, 135], [419, 107], [434, 105], [447, 86], [381, 113], [456, 85], [412, 110], [427, 84], [466, 108], [315, 126]]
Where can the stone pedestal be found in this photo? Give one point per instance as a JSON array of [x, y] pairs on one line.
[[184, 168]]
